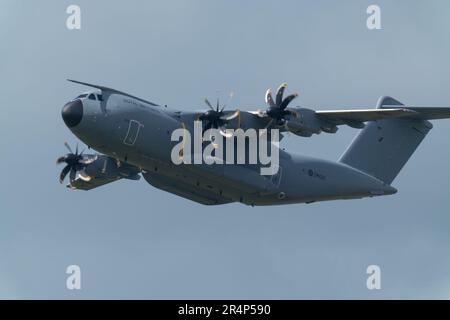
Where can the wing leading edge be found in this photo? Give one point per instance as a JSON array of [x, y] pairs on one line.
[[387, 108], [339, 117]]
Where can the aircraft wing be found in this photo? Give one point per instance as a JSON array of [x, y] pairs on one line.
[[338, 117], [426, 113], [305, 122], [363, 115]]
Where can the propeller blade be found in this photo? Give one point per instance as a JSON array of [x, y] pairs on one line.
[[68, 147], [223, 132], [73, 174], [207, 126], [232, 116], [209, 103], [83, 176], [266, 128], [217, 104], [60, 160], [76, 150], [87, 159], [269, 124], [288, 100], [280, 93], [64, 173], [216, 123], [269, 99]]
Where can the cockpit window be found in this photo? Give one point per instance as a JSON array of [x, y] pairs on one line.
[[99, 97], [81, 96], [91, 96]]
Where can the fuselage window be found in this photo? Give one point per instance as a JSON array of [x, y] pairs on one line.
[[99, 97], [91, 97]]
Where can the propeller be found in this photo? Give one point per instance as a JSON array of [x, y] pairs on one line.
[[277, 108], [216, 118], [74, 162]]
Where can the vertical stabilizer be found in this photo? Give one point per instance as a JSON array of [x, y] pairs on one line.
[[383, 147]]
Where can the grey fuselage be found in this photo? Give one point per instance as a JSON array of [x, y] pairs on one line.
[[139, 133]]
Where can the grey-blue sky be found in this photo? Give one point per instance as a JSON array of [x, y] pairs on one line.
[[133, 241]]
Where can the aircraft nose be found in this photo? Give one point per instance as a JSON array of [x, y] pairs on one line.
[[72, 113]]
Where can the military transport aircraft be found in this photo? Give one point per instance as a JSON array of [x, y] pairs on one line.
[[133, 138]]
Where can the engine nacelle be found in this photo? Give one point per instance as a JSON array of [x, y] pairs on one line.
[[305, 123], [103, 170], [107, 167]]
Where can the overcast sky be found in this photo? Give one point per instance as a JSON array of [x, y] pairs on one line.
[[134, 241]]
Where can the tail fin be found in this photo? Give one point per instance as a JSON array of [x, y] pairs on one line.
[[383, 147]]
